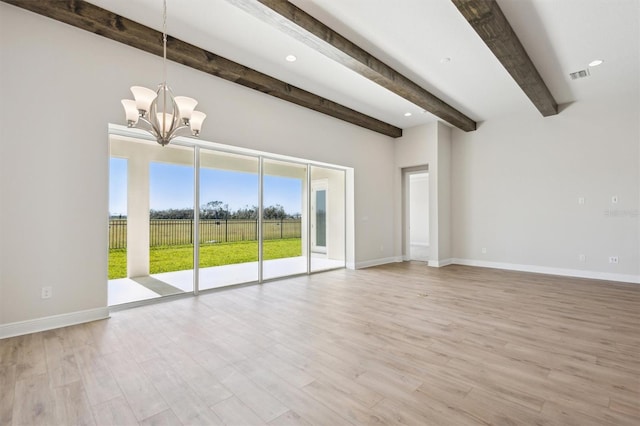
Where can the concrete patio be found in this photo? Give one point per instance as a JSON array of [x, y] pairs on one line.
[[135, 289]]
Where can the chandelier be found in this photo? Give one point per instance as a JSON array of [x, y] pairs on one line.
[[159, 112]]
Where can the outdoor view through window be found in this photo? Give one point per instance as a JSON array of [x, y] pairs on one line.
[[159, 247]]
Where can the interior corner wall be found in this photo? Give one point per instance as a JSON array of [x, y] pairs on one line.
[[61, 86], [517, 182]]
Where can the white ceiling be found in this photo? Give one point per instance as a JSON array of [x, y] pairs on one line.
[[413, 36]]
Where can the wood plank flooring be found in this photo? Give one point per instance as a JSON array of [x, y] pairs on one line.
[[395, 344]]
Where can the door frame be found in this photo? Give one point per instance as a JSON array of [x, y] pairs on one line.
[[406, 222]]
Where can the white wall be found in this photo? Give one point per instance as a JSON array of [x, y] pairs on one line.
[[516, 182], [443, 246], [60, 88]]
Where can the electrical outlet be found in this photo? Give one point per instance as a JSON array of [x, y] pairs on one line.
[[46, 292], [613, 259], [582, 258], [580, 200], [484, 250]]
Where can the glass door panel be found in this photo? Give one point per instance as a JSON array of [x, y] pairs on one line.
[[327, 218], [171, 221], [117, 218], [119, 286], [228, 219], [284, 224]]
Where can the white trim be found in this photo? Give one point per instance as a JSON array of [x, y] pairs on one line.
[[129, 132], [578, 273], [441, 263], [376, 262], [51, 322], [419, 244]]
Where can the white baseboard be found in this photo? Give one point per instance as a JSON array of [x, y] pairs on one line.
[[440, 263], [376, 262], [578, 273], [407, 258], [419, 244], [51, 322]]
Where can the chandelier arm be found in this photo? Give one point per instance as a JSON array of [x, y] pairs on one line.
[[175, 131], [153, 119], [153, 128], [149, 126], [176, 112]]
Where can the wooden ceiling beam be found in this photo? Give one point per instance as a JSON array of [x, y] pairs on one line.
[[294, 21], [89, 17], [487, 19]]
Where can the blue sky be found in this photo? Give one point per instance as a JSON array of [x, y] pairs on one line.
[[172, 187]]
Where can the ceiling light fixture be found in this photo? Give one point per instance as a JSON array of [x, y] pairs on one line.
[[173, 115], [291, 58], [596, 63], [407, 114]]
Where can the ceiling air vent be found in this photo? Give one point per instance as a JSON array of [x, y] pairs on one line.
[[579, 74]]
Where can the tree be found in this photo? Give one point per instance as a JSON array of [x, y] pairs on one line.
[[246, 213], [274, 212], [219, 210], [214, 210], [171, 214]]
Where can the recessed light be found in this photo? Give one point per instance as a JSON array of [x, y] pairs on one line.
[[291, 58], [596, 63], [407, 114]]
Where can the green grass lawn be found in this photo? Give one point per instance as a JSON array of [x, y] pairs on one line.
[[180, 258]]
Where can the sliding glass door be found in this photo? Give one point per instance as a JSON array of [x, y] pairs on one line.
[[284, 224], [228, 231], [171, 221], [190, 217]]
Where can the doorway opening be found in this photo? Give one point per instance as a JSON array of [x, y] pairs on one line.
[[416, 206]]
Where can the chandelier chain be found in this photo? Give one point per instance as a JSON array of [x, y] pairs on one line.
[[164, 69], [164, 42]]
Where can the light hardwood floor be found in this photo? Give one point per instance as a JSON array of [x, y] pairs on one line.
[[396, 344]]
